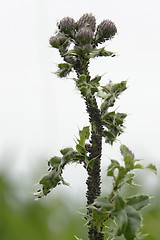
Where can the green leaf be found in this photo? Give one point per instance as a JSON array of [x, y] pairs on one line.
[[101, 52], [138, 166], [119, 204], [82, 79], [133, 224], [152, 167], [84, 135], [80, 149], [129, 163], [96, 80], [104, 203], [138, 202], [124, 150], [125, 178], [66, 150], [99, 217], [114, 164], [109, 137], [64, 69], [120, 214], [55, 161]]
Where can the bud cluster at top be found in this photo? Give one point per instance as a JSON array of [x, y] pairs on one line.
[[82, 33]]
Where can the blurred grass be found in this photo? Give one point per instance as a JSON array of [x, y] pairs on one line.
[[52, 219]]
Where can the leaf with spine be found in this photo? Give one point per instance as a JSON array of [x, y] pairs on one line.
[[51, 180], [138, 202], [98, 217], [109, 137], [81, 149], [90, 163], [101, 52], [120, 214], [55, 161], [114, 124], [95, 81], [125, 178], [152, 167], [128, 217], [64, 69], [66, 150], [103, 203], [84, 135], [87, 88], [133, 224]]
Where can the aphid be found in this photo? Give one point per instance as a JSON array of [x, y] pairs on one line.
[[49, 163], [38, 190], [39, 196], [49, 169]]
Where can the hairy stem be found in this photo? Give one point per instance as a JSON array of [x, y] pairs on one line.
[[94, 179]]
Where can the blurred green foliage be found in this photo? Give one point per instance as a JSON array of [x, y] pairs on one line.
[[34, 220], [52, 219]]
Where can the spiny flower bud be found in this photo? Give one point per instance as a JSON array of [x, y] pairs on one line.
[[58, 40], [67, 25], [87, 20], [84, 49], [84, 35], [105, 31]]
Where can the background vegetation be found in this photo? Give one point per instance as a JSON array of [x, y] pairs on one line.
[[56, 217]]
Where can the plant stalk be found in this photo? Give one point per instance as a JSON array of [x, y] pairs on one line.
[[94, 179]]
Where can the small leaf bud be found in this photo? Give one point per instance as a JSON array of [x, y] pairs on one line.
[[84, 35], [87, 20], [105, 31]]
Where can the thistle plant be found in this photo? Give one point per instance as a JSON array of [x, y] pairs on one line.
[[111, 215]]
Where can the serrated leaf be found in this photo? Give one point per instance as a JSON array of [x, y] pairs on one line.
[[64, 69], [152, 167], [119, 204], [123, 150], [84, 135], [125, 178], [104, 203], [101, 52], [133, 223], [138, 166], [82, 79], [138, 202], [120, 214], [96, 80], [109, 137]]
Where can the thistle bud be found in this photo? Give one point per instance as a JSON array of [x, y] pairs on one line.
[[87, 20], [84, 35], [84, 49], [59, 40], [105, 31], [67, 25]]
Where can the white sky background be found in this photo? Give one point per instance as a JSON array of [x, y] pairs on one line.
[[40, 113]]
